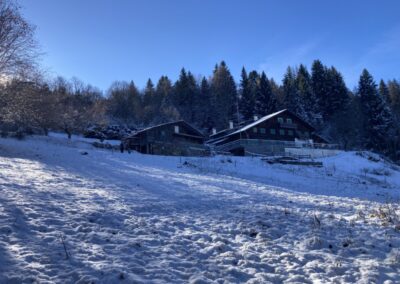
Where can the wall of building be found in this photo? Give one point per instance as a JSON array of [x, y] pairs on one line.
[[296, 129], [313, 153], [178, 149]]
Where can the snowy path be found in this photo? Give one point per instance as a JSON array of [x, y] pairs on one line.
[[142, 219]]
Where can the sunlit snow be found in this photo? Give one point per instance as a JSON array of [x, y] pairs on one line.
[[110, 217]]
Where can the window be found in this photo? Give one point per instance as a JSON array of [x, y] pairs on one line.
[[176, 128], [255, 129], [272, 131], [262, 130], [290, 132], [162, 133], [282, 131], [280, 119], [289, 121], [306, 134]]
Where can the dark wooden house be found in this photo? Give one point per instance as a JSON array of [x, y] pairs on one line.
[[269, 134], [174, 138]]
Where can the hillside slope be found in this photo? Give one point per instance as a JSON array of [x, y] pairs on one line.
[[108, 217]]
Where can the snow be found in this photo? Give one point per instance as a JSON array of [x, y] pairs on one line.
[[257, 122], [137, 218]]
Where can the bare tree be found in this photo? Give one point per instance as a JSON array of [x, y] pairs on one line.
[[18, 47], [78, 105]]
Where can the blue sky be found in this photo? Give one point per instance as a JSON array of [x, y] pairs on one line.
[[100, 41]]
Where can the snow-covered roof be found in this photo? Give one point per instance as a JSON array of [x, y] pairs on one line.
[[257, 122], [168, 123]]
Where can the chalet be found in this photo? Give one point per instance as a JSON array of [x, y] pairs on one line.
[[276, 133], [174, 138]]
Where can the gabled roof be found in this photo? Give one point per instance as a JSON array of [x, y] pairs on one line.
[[169, 123], [265, 118], [224, 133]]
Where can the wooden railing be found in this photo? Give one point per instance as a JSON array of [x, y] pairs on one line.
[[288, 125], [285, 144]]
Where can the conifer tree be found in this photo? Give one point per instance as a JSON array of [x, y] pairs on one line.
[[394, 96], [204, 117], [384, 91], [223, 88], [378, 121], [185, 93], [306, 96], [290, 93], [278, 94], [265, 99], [337, 96], [249, 88], [319, 84], [246, 105], [149, 99], [166, 109]]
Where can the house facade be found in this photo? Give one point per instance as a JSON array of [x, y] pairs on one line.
[[271, 134], [176, 138]]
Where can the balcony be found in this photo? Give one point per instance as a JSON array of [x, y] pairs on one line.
[[288, 125]]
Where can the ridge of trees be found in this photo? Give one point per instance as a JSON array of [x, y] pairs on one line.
[[367, 118]]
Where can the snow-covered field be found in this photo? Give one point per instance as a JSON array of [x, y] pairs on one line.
[[108, 217]]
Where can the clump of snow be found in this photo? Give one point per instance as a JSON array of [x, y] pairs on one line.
[[110, 217]]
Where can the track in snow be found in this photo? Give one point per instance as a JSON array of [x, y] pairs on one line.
[[137, 218]]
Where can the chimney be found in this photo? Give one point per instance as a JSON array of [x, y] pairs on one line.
[[255, 117], [214, 131], [230, 124]]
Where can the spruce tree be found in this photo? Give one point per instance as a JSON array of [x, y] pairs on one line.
[[337, 96], [265, 99], [384, 91], [306, 96], [394, 97], [204, 119], [290, 93], [185, 93], [319, 85], [149, 93], [278, 94], [378, 121], [149, 102], [166, 110], [246, 103], [223, 89]]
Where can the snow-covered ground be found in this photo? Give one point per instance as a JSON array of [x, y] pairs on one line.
[[109, 217]]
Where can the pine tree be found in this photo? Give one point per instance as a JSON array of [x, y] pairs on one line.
[[265, 99], [306, 96], [166, 110], [337, 96], [223, 89], [278, 94], [149, 99], [246, 105], [319, 85], [204, 118], [384, 91], [378, 121], [290, 93], [185, 93], [394, 96]]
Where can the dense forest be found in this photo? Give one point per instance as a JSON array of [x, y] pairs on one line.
[[367, 117]]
